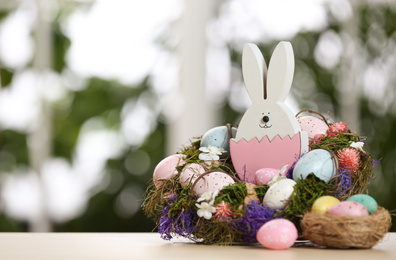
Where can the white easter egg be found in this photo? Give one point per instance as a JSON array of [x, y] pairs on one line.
[[313, 126], [166, 168], [190, 173], [214, 181], [279, 193], [319, 162]]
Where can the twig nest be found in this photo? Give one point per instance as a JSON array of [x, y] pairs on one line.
[[346, 231]]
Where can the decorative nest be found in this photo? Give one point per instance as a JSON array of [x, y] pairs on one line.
[[238, 210], [346, 231]]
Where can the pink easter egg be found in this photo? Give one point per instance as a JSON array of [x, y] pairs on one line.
[[348, 208], [313, 126], [214, 181], [264, 175], [190, 173], [166, 168], [278, 234]]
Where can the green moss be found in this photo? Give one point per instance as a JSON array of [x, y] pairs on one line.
[[233, 194], [343, 140], [305, 193], [261, 190]]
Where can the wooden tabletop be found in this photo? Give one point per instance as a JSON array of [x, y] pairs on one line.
[[147, 246]]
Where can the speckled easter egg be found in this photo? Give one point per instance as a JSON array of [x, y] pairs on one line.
[[312, 125], [366, 200], [277, 234], [319, 162], [219, 137], [322, 204], [279, 193], [166, 168], [214, 181], [348, 208], [264, 175], [190, 173]]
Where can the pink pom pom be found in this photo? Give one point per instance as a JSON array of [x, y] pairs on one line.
[[349, 158], [336, 128]]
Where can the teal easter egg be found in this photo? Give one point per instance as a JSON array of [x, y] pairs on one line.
[[366, 200], [319, 162], [219, 137]]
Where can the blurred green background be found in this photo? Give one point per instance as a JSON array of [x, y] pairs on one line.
[[91, 94]]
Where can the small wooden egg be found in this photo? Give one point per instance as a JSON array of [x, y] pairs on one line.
[[279, 193], [190, 173], [366, 200], [322, 204], [319, 162], [277, 234], [348, 208], [313, 126], [214, 181], [218, 137], [166, 168]]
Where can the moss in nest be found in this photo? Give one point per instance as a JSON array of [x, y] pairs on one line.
[[261, 190], [342, 140], [233, 194], [218, 232], [156, 197], [192, 151], [305, 193]]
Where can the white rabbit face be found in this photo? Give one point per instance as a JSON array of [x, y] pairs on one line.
[[265, 120], [268, 89]]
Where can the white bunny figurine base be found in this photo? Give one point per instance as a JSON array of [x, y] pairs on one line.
[[269, 135]]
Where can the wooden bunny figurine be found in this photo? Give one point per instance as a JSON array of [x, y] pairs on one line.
[[269, 135]]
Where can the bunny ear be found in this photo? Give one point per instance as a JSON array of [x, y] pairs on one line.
[[254, 72], [280, 72]]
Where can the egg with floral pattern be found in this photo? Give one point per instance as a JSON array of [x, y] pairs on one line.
[[277, 234]]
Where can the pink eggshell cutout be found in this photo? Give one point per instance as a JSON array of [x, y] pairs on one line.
[[190, 173], [264, 175], [166, 168], [214, 181], [248, 157], [278, 234], [313, 126], [348, 208]]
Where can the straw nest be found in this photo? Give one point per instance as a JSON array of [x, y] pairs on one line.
[[346, 231]]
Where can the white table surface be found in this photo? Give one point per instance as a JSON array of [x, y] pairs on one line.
[[146, 246]]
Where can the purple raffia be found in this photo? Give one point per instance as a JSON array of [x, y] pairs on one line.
[[289, 173], [181, 225], [256, 215], [344, 182]]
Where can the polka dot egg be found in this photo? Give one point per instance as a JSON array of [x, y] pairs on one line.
[[313, 126], [166, 168], [277, 234]]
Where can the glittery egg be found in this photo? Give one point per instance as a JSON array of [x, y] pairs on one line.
[[166, 168], [366, 200], [313, 126], [214, 181], [219, 137], [278, 234], [348, 208], [190, 173], [264, 175], [319, 162], [279, 193], [322, 204]]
